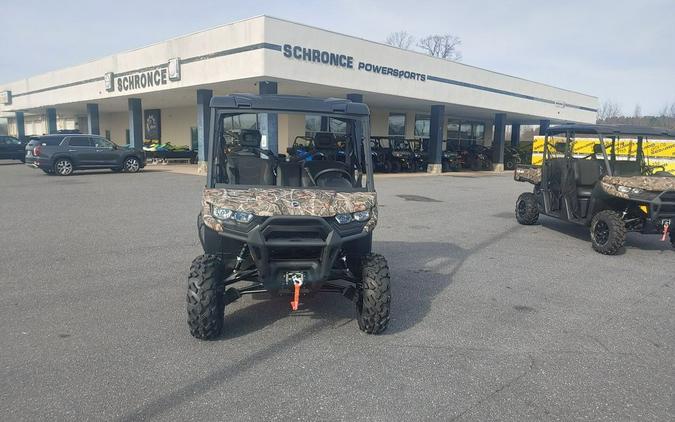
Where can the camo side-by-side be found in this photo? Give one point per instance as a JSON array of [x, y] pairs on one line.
[[267, 202]]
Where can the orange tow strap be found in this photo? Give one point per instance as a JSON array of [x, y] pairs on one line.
[[296, 295]]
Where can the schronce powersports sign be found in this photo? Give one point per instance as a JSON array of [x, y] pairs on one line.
[[347, 62], [144, 78]]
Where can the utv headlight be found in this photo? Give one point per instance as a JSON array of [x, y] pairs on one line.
[[626, 189], [343, 218], [222, 213], [242, 217], [360, 216], [225, 214]]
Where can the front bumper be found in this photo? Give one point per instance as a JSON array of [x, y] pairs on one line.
[[662, 207], [282, 244]]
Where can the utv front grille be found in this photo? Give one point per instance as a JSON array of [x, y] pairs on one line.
[[664, 205]]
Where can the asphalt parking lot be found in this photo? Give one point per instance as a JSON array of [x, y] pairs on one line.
[[491, 320]]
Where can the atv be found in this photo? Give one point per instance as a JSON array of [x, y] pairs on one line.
[[449, 158], [420, 149], [511, 157], [287, 227], [403, 155], [381, 152], [585, 184]]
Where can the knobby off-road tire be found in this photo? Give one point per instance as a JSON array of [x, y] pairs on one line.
[[375, 295], [527, 211], [608, 232], [205, 300]]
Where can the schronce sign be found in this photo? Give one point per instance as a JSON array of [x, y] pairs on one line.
[[342, 60]]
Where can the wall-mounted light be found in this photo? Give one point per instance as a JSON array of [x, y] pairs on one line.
[[108, 78], [6, 97], [174, 69]]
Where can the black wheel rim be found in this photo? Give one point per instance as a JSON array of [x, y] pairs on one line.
[[522, 208], [601, 233]]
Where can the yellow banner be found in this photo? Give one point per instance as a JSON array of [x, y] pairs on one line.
[[652, 148]]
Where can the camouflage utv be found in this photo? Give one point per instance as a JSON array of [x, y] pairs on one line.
[[273, 225], [611, 192]]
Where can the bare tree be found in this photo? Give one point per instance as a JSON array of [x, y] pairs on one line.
[[608, 110], [400, 39], [442, 46], [638, 111]]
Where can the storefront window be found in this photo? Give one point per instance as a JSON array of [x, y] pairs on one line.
[[312, 124], [478, 131], [397, 125], [338, 126], [241, 121], [465, 133], [453, 129], [422, 126]]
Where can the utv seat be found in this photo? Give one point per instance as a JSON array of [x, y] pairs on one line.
[[289, 173], [245, 165], [587, 173], [626, 168], [325, 143]]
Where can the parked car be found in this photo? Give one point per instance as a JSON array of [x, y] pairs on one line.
[[64, 153], [11, 148]]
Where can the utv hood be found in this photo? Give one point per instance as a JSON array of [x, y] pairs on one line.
[[649, 183], [268, 202]]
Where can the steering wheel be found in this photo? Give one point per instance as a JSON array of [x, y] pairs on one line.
[[342, 172]]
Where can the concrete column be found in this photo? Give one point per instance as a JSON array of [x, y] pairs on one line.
[[543, 125], [20, 125], [135, 123], [92, 119], [272, 130], [515, 134], [203, 127], [498, 142], [436, 139], [51, 120]]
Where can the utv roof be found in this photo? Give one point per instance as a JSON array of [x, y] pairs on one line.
[[609, 130], [290, 103]]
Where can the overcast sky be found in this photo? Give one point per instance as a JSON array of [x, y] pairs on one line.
[[618, 50]]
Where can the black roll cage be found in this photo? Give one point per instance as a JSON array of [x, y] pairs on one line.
[[361, 127]]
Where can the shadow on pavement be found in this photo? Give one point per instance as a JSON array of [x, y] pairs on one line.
[[431, 265], [648, 242]]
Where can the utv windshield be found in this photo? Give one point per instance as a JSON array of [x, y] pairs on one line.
[[331, 158]]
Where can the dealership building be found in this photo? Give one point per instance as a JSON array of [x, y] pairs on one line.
[[162, 92]]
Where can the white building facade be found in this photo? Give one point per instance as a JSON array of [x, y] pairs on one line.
[[269, 55]]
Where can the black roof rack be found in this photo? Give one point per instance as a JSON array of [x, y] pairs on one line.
[[290, 103], [610, 130]]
